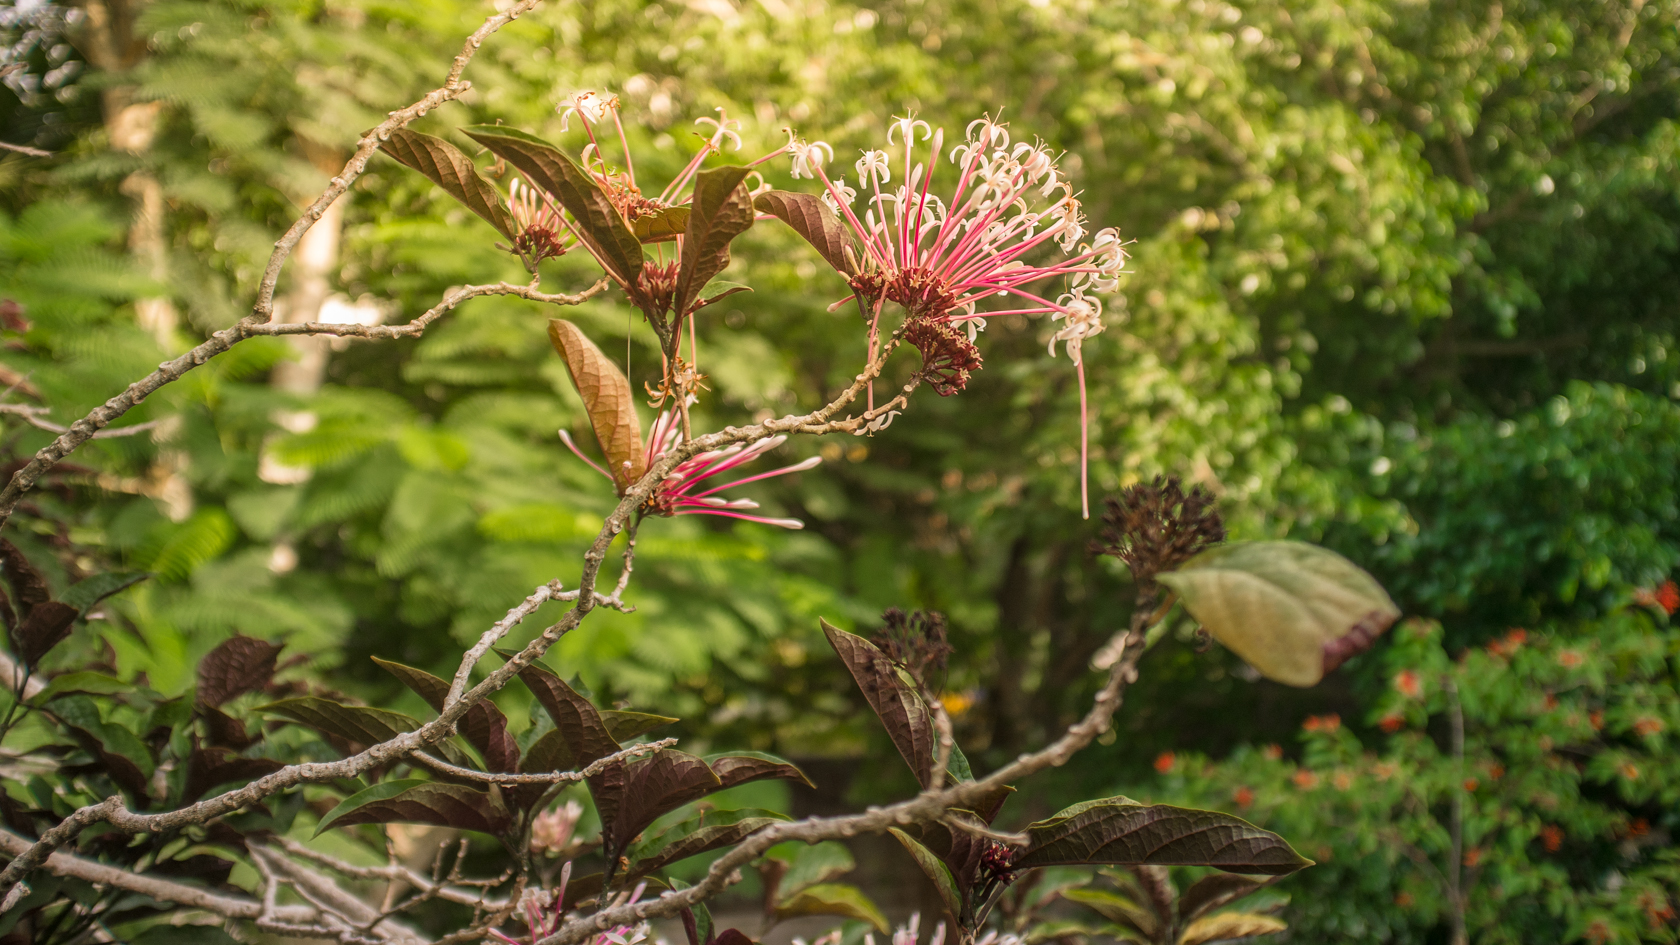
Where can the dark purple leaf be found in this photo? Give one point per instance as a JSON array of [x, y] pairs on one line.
[[706, 830], [224, 729], [575, 717], [238, 665], [739, 767], [651, 787], [46, 626], [733, 937], [812, 219], [421, 802], [721, 210], [452, 170], [29, 587], [1122, 832], [1211, 892], [484, 725], [900, 709], [600, 225], [358, 724]]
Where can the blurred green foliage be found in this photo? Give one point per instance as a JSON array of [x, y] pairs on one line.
[[1402, 282]]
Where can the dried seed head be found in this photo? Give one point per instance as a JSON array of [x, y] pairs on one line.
[[915, 641], [1156, 526]]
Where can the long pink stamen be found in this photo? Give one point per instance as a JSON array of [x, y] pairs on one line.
[[1084, 444], [566, 438], [796, 467]]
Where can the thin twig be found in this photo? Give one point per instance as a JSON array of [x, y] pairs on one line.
[[25, 149], [546, 777], [36, 417]]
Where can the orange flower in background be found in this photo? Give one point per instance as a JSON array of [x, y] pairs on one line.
[[1305, 780], [1666, 596], [1496, 771], [1639, 828], [1342, 780], [1272, 752], [1383, 770], [1391, 723], [1598, 933], [1596, 719], [1569, 659], [1629, 770], [1551, 701], [1551, 837], [1244, 797], [1647, 725], [1322, 723], [1409, 683], [1509, 643], [1473, 857], [1403, 900], [1165, 761], [1471, 784]]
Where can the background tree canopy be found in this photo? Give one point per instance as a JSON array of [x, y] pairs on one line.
[[1403, 282]]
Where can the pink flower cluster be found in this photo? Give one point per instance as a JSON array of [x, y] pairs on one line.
[[682, 491]]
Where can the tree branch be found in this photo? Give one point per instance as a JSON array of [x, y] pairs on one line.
[[928, 806]]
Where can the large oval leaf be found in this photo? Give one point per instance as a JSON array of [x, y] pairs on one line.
[[900, 709], [606, 395], [833, 899], [1293, 611], [720, 210], [600, 225], [452, 170], [812, 219], [1122, 832], [739, 767], [420, 802]]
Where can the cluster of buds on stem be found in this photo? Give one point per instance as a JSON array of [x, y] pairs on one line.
[[1157, 526]]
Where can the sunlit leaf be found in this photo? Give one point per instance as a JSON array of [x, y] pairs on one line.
[[1230, 927], [661, 226], [1116, 908], [1293, 611], [608, 399], [812, 219], [446, 166], [833, 899], [623, 726], [599, 223], [722, 209]]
